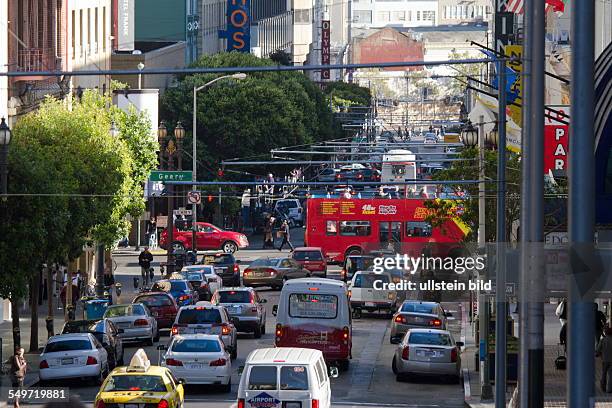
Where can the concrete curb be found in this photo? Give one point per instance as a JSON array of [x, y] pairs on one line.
[[467, 391]]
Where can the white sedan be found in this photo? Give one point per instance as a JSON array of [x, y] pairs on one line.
[[77, 355], [199, 359]]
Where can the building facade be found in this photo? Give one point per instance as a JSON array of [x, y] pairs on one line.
[[394, 13], [464, 11]]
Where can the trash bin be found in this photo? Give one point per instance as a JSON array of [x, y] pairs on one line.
[[95, 308]]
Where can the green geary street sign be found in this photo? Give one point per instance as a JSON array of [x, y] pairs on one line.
[[170, 175]]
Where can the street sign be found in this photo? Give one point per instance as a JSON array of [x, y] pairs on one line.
[[182, 211], [170, 175], [194, 197]]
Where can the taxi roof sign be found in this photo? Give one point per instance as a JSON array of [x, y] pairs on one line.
[[139, 362]]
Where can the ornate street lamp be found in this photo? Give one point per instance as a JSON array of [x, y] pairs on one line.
[[469, 135], [492, 138]]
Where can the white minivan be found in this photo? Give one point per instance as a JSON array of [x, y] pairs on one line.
[[285, 377]]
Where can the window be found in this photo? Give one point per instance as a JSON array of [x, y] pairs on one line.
[[355, 228], [321, 371], [383, 16], [285, 263], [398, 170], [418, 229], [419, 308], [294, 378], [194, 316], [96, 27], [331, 228], [68, 345], [418, 16], [307, 255], [103, 29], [302, 16], [204, 228], [73, 34], [399, 16], [308, 305], [366, 280], [265, 262], [429, 16], [153, 383], [234, 296], [262, 378], [88, 31], [155, 300], [81, 42], [124, 310], [409, 15], [362, 16], [433, 339], [195, 346]]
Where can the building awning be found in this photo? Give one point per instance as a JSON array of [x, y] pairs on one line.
[[488, 107]]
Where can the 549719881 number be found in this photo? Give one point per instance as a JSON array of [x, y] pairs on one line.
[[38, 395]]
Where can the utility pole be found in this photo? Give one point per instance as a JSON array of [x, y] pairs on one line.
[[581, 209]]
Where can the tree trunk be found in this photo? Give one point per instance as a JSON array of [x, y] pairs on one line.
[[50, 293], [34, 289], [15, 320]]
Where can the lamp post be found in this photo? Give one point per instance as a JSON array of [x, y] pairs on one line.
[[140, 67], [238, 76], [5, 139]]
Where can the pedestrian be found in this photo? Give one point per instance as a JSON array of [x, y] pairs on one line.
[[267, 228], [285, 235], [561, 311], [246, 208], [604, 350], [144, 260], [600, 322], [19, 368]]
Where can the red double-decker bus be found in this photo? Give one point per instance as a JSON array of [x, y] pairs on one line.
[[344, 227]]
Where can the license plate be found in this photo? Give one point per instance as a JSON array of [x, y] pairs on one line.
[[219, 270], [370, 304], [205, 331], [124, 325], [130, 405], [293, 404], [66, 361], [155, 314], [259, 274], [426, 353], [195, 366]]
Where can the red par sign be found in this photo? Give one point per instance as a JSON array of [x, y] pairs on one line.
[[556, 143]]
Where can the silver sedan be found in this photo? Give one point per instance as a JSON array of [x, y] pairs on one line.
[[415, 314], [136, 321], [428, 352]]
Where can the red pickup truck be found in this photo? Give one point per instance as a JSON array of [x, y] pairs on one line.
[[208, 237]]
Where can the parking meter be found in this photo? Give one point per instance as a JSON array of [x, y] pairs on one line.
[[118, 287], [136, 280]]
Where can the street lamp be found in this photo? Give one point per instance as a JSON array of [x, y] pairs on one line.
[[469, 135], [5, 139], [140, 67], [492, 138], [239, 76]]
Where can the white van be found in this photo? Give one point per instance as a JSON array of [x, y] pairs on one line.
[[285, 377], [315, 313], [292, 208], [368, 292]]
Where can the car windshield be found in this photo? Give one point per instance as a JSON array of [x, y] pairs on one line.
[[234, 296], [82, 326], [418, 308], [199, 316], [205, 269], [68, 345], [265, 262], [124, 310], [307, 255], [155, 300], [366, 280], [360, 264], [262, 378], [433, 339], [179, 285], [293, 378], [151, 383], [219, 259], [195, 346], [194, 276], [286, 204]]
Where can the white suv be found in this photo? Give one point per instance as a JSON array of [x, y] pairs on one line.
[[293, 208]]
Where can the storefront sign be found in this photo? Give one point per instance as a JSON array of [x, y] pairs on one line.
[[325, 48], [238, 26], [555, 149]]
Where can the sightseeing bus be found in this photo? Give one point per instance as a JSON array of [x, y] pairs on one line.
[[344, 227]]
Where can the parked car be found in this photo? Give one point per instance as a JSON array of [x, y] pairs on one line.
[[292, 208], [208, 237], [162, 307], [206, 318], [428, 352], [180, 289], [245, 307], [76, 355], [136, 321], [354, 263], [273, 272], [327, 175], [105, 331], [212, 280], [366, 294], [226, 266], [417, 314], [311, 258], [199, 359]]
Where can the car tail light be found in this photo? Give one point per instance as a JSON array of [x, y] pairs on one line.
[[251, 298], [406, 353], [173, 362], [184, 297], [43, 364], [343, 272], [315, 403], [236, 268], [141, 322], [175, 329], [454, 355], [91, 360], [240, 403], [349, 294], [218, 363], [225, 330], [279, 331], [435, 323], [100, 404], [246, 272], [163, 404], [345, 333], [254, 309], [400, 319]]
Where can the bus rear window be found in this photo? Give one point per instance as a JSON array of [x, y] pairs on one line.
[[355, 228], [310, 305]]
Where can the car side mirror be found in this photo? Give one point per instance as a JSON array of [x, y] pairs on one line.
[[263, 301], [333, 372], [120, 331], [274, 310], [240, 370], [460, 344], [448, 314], [162, 347], [181, 381]]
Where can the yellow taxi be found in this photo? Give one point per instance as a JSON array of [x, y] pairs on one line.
[[140, 383]]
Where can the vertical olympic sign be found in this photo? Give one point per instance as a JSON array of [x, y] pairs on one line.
[[238, 26], [325, 48]]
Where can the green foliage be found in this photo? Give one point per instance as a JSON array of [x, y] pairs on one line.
[[458, 85], [281, 57], [350, 94], [248, 117], [70, 180]]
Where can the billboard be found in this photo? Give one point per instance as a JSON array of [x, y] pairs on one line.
[[125, 25], [238, 26], [325, 48], [556, 143]]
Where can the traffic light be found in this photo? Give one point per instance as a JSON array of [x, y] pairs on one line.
[[210, 198], [220, 173]]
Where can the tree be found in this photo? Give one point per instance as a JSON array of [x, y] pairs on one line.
[[351, 94], [458, 85], [281, 57]]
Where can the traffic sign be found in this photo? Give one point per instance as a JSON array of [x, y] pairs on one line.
[[171, 175], [182, 211], [194, 197]]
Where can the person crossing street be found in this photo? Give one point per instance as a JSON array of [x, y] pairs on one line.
[[285, 235], [144, 260]]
